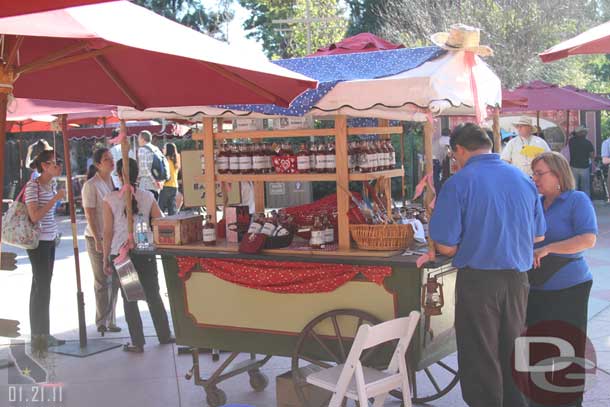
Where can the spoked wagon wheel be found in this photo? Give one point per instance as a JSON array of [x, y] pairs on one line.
[[325, 342], [432, 382]]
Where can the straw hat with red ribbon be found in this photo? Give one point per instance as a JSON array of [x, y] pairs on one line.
[[462, 37]]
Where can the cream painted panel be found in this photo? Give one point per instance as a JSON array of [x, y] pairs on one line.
[[213, 301]]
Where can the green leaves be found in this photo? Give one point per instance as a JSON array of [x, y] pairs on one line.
[[517, 30], [288, 40], [193, 14]]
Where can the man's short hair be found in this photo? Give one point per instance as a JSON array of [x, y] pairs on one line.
[[146, 135], [470, 136]]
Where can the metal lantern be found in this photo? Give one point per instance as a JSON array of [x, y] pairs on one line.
[[432, 297]]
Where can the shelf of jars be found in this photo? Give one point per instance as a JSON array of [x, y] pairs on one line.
[[331, 156], [312, 161]]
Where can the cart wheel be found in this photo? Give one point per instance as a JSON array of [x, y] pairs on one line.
[[258, 380], [432, 382], [326, 342], [215, 397]]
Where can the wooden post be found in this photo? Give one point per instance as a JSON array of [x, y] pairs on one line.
[[343, 198], [259, 191], [428, 130], [386, 183], [82, 326], [21, 157], [3, 106], [496, 131], [210, 176], [125, 157], [403, 186], [223, 185]]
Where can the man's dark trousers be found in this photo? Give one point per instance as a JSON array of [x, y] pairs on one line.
[[489, 314]]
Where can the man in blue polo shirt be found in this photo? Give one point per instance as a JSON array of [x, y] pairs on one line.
[[488, 215]]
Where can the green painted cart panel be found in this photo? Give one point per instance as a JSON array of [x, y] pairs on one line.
[[433, 341]]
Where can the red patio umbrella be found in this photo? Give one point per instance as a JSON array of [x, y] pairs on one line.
[[121, 54], [15, 7], [542, 95], [363, 42], [593, 41]]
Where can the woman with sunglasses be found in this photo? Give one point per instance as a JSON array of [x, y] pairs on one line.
[[40, 199]]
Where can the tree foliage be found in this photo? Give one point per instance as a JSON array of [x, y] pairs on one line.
[[517, 30], [292, 41], [193, 14]]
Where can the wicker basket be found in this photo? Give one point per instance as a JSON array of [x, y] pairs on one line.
[[382, 237]]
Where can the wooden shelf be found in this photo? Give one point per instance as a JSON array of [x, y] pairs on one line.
[[277, 177], [274, 133], [362, 176], [367, 176], [258, 134], [223, 246], [353, 131]]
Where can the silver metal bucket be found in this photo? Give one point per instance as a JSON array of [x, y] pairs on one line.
[[128, 276]]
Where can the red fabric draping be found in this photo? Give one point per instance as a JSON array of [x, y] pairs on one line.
[[282, 277]]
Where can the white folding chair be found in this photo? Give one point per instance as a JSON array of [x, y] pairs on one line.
[[357, 382]]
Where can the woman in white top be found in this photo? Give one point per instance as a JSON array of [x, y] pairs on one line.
[[40, 199], [93, 194], [115, 235]]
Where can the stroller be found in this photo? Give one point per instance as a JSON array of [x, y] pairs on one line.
[[599, 177]]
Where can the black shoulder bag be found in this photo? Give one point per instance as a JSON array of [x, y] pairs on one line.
[[549, 265]]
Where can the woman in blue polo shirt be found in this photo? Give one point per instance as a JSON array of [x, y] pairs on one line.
[[561, 279]]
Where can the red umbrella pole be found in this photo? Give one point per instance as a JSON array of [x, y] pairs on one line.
[[82, 327], [21, 158], [3, 104]]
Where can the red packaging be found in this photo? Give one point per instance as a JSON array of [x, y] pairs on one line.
[[285, 164], [237, 218], [252, 243]]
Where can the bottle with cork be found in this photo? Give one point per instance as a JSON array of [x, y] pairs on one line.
[[209, 232], [222, 161], [269, 226], [303, 159], [331, 159], [245, 159], [257, 224], [233, 159], [317, 233]]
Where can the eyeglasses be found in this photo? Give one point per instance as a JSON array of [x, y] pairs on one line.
[[539, 174]]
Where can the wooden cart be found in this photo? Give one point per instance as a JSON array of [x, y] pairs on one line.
[[314, 329]]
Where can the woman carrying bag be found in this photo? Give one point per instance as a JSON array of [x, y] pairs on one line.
[[40, 199], [115, 236]]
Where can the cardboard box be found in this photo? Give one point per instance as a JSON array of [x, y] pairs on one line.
[[237, 219], [178, 229], [286, 395]]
